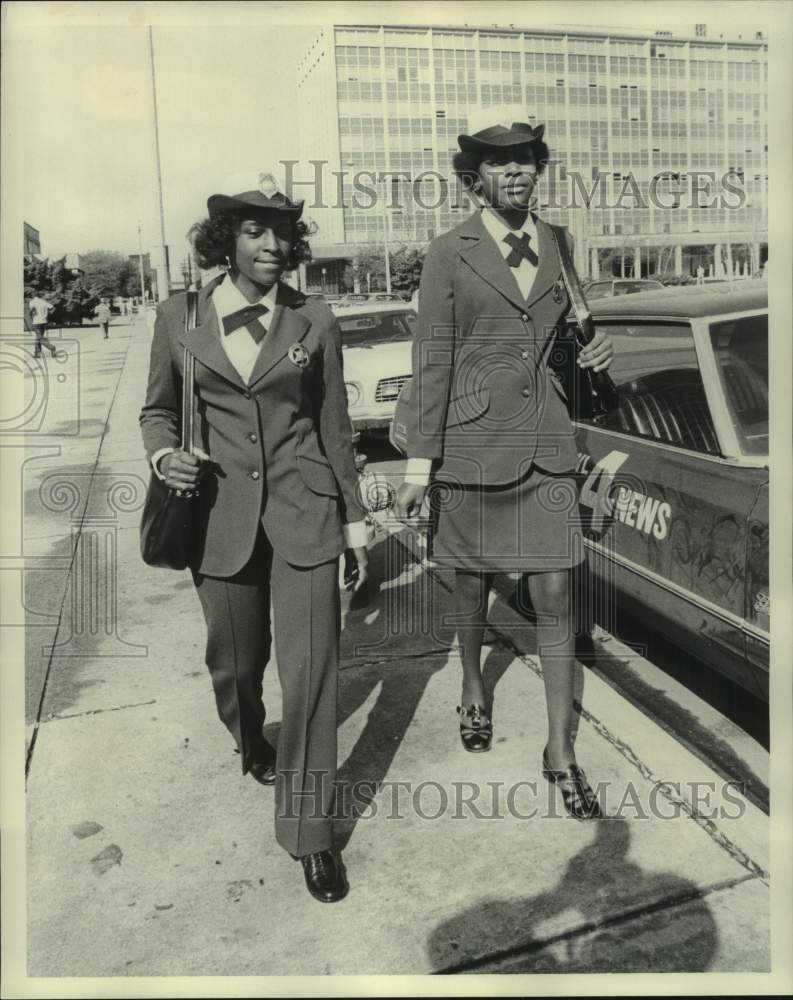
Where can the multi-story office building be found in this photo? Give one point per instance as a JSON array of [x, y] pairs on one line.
[[620, 109]]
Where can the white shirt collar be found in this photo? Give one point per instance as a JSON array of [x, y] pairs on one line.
[[228, 299], [498, 229]]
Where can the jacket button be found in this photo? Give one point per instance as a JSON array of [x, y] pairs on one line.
[[524, 355], [254, 474], [247, 395], [253, 438], [526, 392], [525, 318]]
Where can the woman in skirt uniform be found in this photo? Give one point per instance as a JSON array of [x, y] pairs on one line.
[[492, 430]]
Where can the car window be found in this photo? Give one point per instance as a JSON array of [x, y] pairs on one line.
[[368, 329], [628, 287], [598, 290], [741, 350], [661, 396]]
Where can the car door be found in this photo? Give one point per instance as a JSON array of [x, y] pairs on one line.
[[666, 512]]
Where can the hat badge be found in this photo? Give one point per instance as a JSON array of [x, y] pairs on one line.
[[267, 185]]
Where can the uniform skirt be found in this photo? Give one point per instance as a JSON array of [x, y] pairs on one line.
[[529, 526]]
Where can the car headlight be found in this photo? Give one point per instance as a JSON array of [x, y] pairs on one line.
[[354, 393]]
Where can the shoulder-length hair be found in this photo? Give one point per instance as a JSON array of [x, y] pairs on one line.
[[213, 240]]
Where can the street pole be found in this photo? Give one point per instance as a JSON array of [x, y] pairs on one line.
[[163, 275], [142, 280], [386, 255]]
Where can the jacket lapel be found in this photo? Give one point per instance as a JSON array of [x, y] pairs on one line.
[[549, 269], [484, 257], [288, 327], [204, 340]]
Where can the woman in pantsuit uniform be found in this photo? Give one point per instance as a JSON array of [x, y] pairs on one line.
[[278, 499], [492, 429]]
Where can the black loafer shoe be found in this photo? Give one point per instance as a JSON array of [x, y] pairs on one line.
[[325, 878], [263, 773], [579, 799], [476, 729]]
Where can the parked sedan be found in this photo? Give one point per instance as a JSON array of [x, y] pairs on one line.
[[376, 341], [674, 482], [620, 286]]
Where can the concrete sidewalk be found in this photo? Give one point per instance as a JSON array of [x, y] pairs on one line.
[[149, 853]]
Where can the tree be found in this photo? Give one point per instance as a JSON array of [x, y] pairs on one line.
[[106, 272], [133, 281], [405, 265], [72, 300], [63, 288], [37, 277]]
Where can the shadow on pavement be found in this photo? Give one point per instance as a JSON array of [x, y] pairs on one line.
[[605, 915], [381, 648]]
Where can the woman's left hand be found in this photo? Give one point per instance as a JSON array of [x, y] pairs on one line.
[[361, 572], [598, 353]]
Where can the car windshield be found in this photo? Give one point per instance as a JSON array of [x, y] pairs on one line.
[[741, 350], [628, 287], [368, 329]]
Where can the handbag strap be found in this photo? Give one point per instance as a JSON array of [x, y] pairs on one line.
[[583, 316], [188, 376]]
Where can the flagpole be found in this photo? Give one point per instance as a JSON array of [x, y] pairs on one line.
[[162, 266]]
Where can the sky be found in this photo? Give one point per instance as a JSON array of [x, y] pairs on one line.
[[225, 87]]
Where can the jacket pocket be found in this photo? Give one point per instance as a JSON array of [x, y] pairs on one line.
[[470, 406], [318, 476]]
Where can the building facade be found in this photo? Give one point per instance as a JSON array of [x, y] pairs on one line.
[[659, 143], [31, 240]]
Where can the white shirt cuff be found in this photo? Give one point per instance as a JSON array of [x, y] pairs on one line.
[[356, 535], [417, 471]]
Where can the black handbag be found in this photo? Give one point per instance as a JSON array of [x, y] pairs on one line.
[[592, 395], [166, 527]]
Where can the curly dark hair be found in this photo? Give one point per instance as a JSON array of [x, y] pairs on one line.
[[466, 164], [213, 240]]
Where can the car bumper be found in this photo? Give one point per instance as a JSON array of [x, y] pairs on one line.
[[372, 418]]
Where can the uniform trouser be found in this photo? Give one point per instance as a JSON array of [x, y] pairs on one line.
[[306, 622]]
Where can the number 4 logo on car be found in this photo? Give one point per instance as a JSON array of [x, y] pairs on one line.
[[595, 492]]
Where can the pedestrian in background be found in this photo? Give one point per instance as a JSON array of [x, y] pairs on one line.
[[492, 427], [102, 313], [39, 310], [278, 498]]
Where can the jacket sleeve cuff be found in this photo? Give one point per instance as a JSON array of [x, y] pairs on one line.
[[157, 457], [417, 471], [356, 535]]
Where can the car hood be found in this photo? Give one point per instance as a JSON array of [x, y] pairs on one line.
[[363, 364]]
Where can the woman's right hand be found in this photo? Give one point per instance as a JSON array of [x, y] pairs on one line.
[[409, 499], [183, 471]]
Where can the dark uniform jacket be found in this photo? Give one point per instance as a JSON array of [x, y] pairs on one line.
[[281, 446], [487, 404]]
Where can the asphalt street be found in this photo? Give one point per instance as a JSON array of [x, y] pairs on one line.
[[149, 853]]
